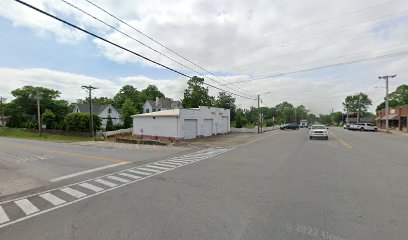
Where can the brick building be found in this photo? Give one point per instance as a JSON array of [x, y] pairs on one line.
[[397, 118]]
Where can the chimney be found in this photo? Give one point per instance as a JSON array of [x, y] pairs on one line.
[[157, 101]]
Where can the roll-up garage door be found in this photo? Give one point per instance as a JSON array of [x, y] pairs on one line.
[[190, 128], [207, 127], [224, 124]]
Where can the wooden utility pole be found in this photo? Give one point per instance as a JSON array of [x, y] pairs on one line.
[[91, 123]]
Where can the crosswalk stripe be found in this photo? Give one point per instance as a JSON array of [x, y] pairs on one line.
[[129, 175], [139, 172], [73, 192], [163, 165], [148, 169], [3, 216], [91, 187], [109, 184], [118, 179], [54, 200], [178, 161], [157, 167], [171, 163], [187, 158], [27, 207]]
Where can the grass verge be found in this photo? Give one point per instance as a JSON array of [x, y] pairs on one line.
[[21, 133]]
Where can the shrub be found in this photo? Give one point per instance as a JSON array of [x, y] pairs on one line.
[[49, 119], [79, 122], [109, 124], [268, 123]]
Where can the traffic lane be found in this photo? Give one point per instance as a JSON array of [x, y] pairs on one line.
[[284, 187], [377, 146], [222, 198], [28, 164]]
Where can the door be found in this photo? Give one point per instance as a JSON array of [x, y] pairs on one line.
[[190, 128], [224, 124], [208, 127]]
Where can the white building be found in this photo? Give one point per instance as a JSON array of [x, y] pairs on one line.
[[181, 124], [160, 104], [103, 111]]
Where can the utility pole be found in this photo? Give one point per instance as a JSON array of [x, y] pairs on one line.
[[387, 106], [2, 99], [358, 108], [259, 114], [37, 96], [332, 111], [91, 124], [295, 116], [347, 114]]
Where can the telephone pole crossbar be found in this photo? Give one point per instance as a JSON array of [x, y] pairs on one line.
[[91, 122]]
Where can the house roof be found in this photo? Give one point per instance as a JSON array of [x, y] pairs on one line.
[[165, 113], [97, 109], [164, 103]]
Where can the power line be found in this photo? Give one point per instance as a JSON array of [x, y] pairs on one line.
[[157, 42], [327, 66], [119, 46], [142, 43]]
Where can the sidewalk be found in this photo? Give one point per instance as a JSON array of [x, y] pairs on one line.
[[396, 132]]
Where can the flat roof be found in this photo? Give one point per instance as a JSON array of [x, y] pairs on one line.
[[164, 113]]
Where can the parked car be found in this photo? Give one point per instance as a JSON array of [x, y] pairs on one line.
[[292, 126], [346, 126], [364, 127], [319, 131]]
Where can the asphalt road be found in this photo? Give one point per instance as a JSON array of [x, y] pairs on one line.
[[280, 186]]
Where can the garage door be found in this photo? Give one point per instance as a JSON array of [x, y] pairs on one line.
[[224, 125], [190, 128], [208, 127]]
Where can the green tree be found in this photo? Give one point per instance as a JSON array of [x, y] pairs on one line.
[[354, 103], [311, 118], [125, 93], [150, 93], [24, 103], [226, 101], [128, 109], [109, 124], [400, 95], [286, 112], [49, 119], [196, 94]]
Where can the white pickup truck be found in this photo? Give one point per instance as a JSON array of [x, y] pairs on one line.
[[363, 127]]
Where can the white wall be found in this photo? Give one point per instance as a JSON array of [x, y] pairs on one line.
[[165, 127], [147, 106]]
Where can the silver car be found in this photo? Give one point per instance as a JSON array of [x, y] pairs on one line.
[[318, 131]]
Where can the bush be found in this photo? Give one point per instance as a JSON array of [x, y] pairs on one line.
[[109, 124], [238, 123], [79, 122], [268, 123], [49, 119]]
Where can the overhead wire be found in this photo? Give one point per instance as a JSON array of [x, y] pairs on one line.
[[157, 42], [119, 46], [143, 44]]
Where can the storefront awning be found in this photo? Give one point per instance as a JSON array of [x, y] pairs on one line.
[[391, 117]]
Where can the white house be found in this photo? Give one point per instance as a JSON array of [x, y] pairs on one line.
[[103, 111], [160, 104], [181, 124]]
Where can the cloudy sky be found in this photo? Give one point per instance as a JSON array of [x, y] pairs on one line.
[[234, 40]]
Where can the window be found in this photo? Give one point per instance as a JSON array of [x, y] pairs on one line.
[[109, 110], [77, 110], [159, 110], [153, 110], [147, 110]]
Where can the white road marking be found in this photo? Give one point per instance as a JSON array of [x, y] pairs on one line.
[[118, 179], [129, 175], [91, 187], [3, 216], [87, 171], [157, 167], [73, 192], [163, 165], [175, 164], [139, 172], [178, 161], [54, 200], [149, 170], [84, 184], [109, 184], [187, 158], [27, 207]]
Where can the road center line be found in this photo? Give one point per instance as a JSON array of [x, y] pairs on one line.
[[87, 171]]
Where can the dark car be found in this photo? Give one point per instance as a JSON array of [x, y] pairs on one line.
[[292, 126]]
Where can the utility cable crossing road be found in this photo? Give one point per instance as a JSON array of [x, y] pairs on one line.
[[17, 210]]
